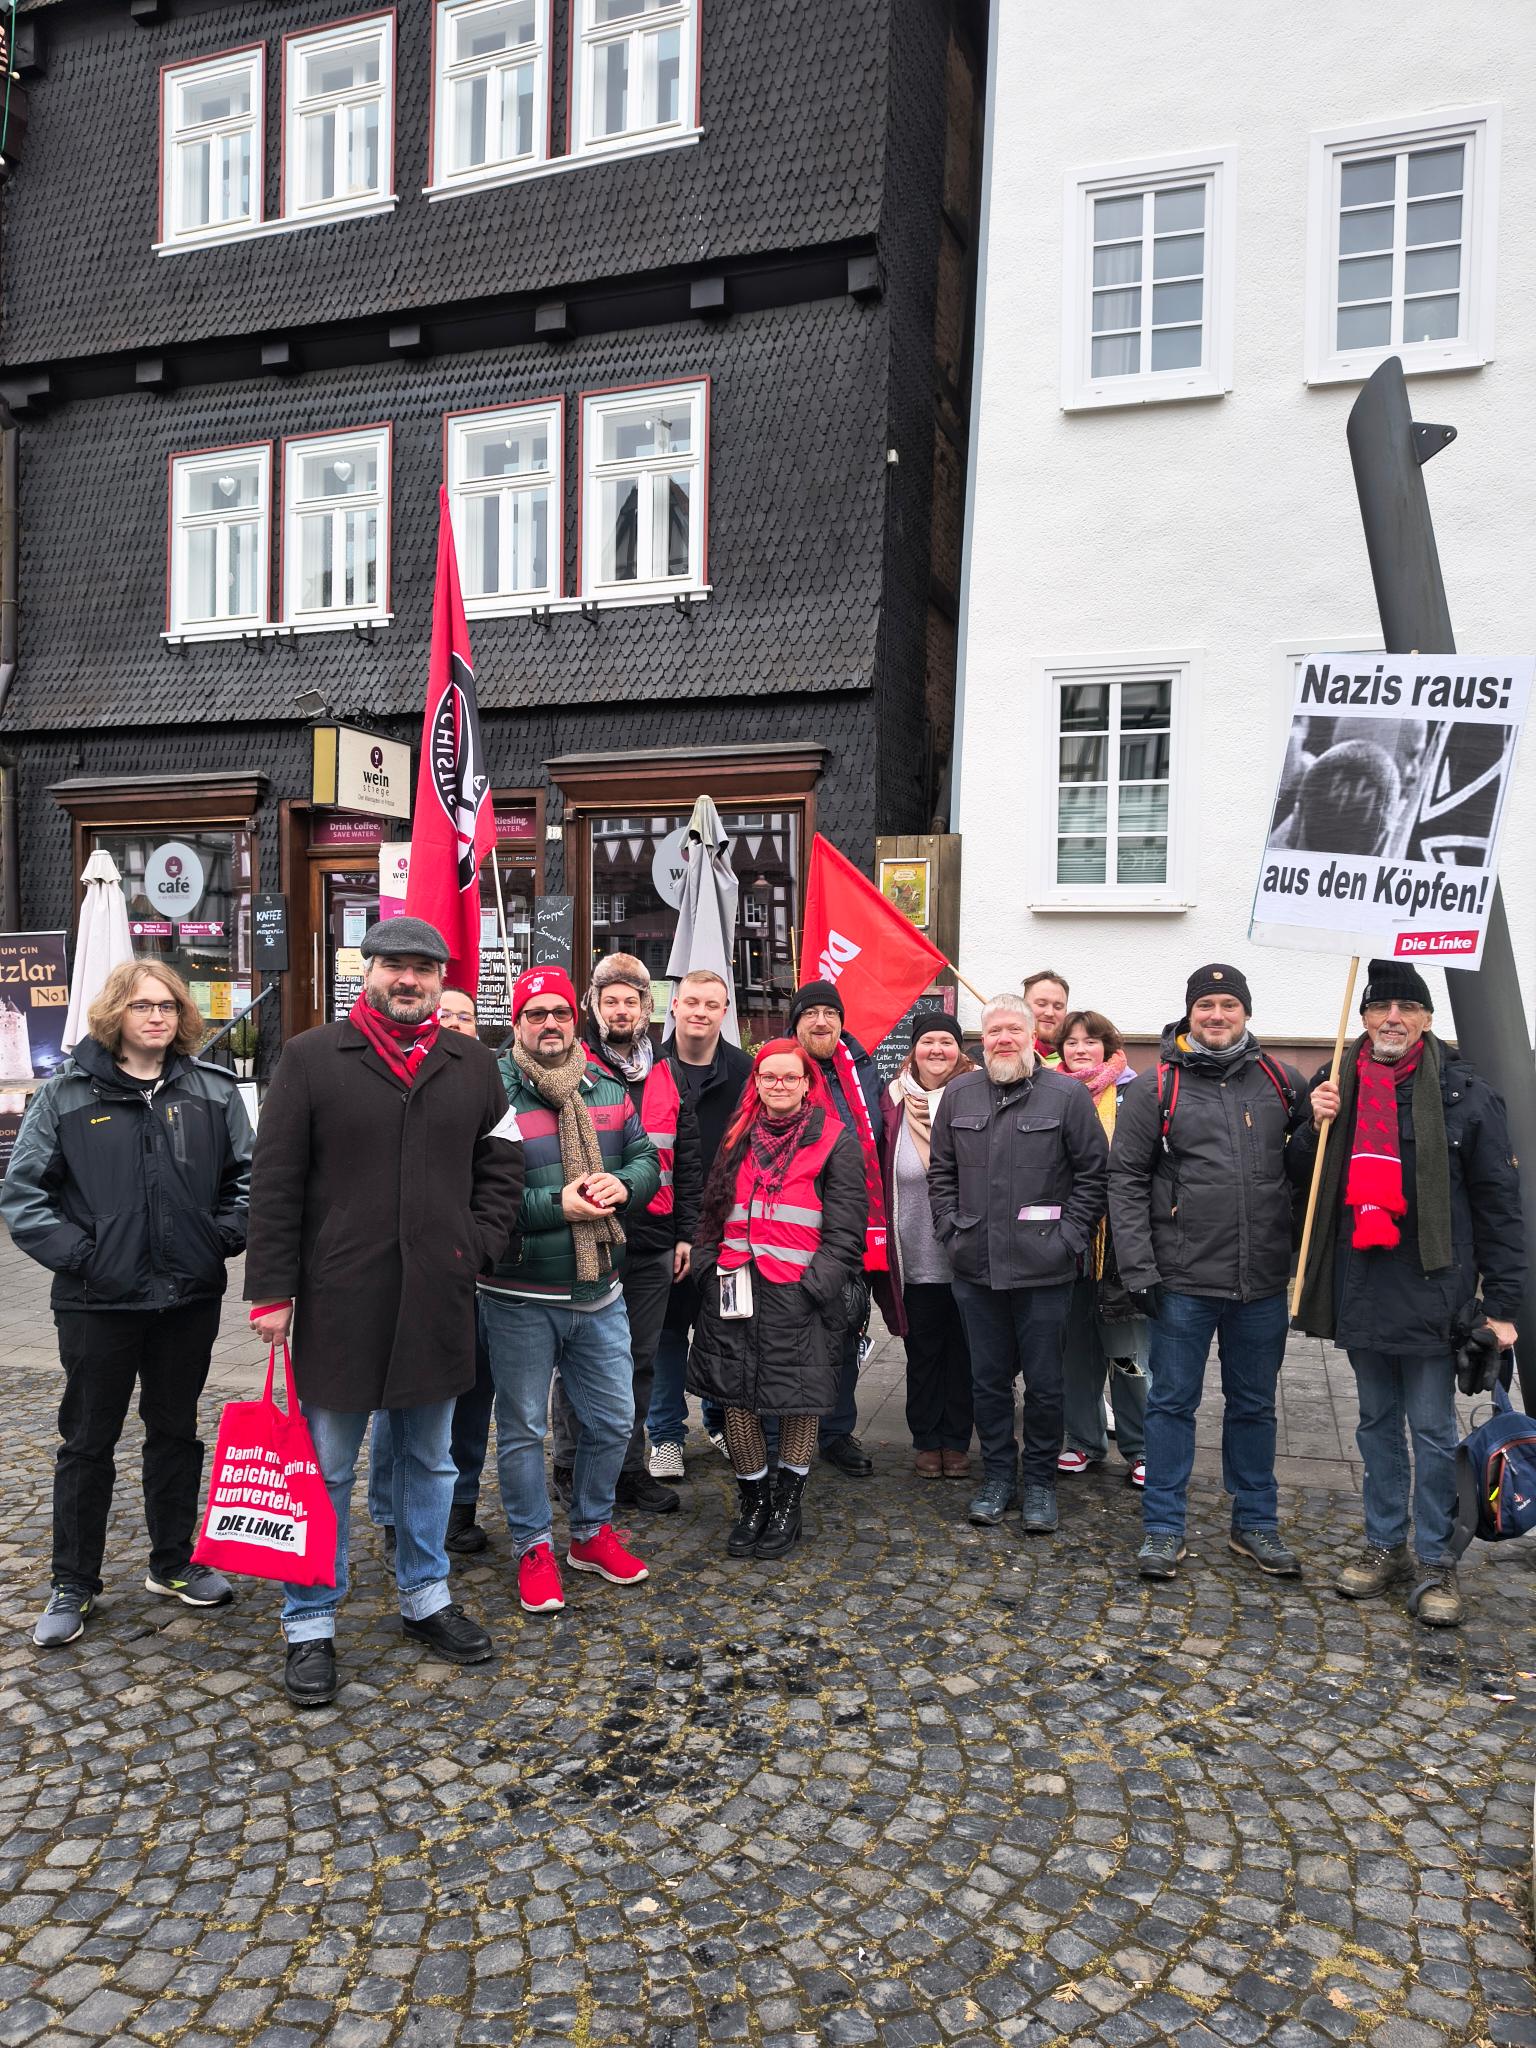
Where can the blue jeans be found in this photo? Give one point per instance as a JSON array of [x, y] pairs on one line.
[[667, 1421], [1092, 1346], [1016, 1330], [471, 1437], [423, 1494], [1250, 1340], [527, 1340], [1421, 1392]]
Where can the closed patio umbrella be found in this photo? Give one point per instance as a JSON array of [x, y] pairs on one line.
[[706, 917], [102, 941]]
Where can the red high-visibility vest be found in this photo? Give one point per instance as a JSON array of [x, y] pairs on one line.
[[660, 1108], [780, 1237]]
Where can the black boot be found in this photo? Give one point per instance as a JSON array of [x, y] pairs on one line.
[[756, 1499], [783, 1530], [465, 1536]]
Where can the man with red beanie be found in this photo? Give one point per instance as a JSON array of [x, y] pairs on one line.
[[557, 1300]]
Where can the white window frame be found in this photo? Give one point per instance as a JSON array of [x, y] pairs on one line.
[[253, 59], [587, 36], [1216, 169], [1181, 666], [296, 47], [336, 618], [178, 626], [654, 589], [1478, 128], [508, 604], [504, 170]]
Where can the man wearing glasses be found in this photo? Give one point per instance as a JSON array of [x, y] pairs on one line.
[[1419, 1197], [556, 1298]]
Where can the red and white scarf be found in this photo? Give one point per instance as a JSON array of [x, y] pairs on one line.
[[402, 1047], [876, 1259], [1374, 1186]]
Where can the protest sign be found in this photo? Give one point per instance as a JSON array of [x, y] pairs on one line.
[[1385, 829]]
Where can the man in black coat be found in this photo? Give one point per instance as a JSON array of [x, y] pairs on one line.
[[1419, 1203], [659, 1237], [1200, 1212], [712, 1073], [1016, 1180], [388, 1174], [816, 1019]]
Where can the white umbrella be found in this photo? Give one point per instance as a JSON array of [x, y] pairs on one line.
[[102, 941], [706, 916]]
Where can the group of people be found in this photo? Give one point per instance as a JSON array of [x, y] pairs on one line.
[[575, 1235]]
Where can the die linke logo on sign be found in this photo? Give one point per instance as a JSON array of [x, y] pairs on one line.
[[837, 955]]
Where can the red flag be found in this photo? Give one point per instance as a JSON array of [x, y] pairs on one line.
[[879, 962], [453, 828]]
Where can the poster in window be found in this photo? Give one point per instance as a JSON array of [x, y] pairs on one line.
[[34, 1004], [904, 885]]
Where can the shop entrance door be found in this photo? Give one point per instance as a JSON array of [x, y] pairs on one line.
[[343, 902]]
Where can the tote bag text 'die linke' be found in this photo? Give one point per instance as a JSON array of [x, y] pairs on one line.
[[269, 1515]]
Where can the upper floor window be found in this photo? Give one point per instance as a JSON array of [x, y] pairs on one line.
[[211, 127], [339, 93], [504, 486], [492, 110], [634, 73], [219, 539], [1401, 245], [644, 483], [1116, 778], [1149, 281], [336, 491]]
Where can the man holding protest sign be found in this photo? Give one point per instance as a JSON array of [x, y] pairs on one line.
[[1419, 1202]]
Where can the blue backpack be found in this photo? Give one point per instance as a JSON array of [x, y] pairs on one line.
[[1496, 1477]]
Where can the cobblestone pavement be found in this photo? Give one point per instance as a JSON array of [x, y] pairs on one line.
[[924, 1784]]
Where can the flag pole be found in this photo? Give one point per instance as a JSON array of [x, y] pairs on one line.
[[1322, 1140], [501, 922]]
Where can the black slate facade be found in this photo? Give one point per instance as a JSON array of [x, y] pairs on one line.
[[807, 256]]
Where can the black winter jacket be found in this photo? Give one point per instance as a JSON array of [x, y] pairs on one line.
[[645, 1233], [784, 1358], [1383, 1299], [714, 1104], [997, 1151], [1210, 1213], [131, 1203]]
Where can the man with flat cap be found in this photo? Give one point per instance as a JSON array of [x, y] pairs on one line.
[[1200, 1212], [1417, 1239], [387, 1176]]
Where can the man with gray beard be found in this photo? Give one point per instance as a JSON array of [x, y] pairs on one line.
[[1017, 1179]]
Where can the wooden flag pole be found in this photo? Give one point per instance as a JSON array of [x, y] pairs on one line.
[[1322, 1138]]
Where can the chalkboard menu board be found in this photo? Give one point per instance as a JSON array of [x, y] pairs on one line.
[[897, 1042], [269, 933], [554, 932]]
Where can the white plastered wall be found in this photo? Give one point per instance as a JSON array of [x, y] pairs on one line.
[[1227, 525]]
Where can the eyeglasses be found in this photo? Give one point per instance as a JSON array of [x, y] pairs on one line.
[[154, 1009], [1407, 1011], [560, 1014], [783, 1080]]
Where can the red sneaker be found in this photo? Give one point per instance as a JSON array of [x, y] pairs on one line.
[[606, 1555], [538, 1581]]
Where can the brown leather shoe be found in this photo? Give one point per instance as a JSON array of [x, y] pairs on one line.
[[957, 1464], [929, 1464]]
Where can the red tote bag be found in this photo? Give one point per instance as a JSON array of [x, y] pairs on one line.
[[269, 1515]]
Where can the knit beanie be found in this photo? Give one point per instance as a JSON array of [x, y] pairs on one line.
[[1394, 981], [541, 981], [1217, 980], [936, 1020], [812, 997]]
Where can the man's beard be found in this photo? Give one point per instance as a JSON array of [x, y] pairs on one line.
[[401, 1009], [1388, 1053], [550, 1059], [1005, 1068], [620, 1036]]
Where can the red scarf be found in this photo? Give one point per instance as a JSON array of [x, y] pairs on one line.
[[772, 1143], [1374, 1185], [402, 1047], [875, 1256]]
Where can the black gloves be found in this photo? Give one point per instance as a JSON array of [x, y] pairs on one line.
[[1149, 1300]]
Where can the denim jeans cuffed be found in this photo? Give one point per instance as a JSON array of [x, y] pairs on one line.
[[527, 1340], [1401, 1398], [423, 1493], [1250, 1341]]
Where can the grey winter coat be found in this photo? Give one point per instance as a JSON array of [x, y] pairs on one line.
[[999, 1151], [1210, 1212]]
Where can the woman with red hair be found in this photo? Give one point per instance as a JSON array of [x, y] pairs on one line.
[[780, 1239]]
